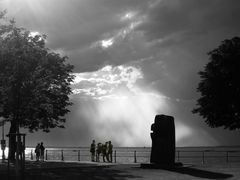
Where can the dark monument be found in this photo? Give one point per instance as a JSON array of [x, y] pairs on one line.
[[163, 144], [163, 141]]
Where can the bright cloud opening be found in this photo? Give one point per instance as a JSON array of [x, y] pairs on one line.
[[107, 43], [107, 81]]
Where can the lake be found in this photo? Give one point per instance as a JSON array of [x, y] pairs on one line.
[[221, 154]]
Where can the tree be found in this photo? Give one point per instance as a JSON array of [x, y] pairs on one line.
[[219, 103], [34, 81]]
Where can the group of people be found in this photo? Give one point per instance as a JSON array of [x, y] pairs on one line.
[[39, 151], [105, 149]]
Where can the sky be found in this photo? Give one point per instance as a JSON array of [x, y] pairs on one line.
[[133, 59]]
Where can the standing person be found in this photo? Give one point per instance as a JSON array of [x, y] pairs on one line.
[[21, 150], [99, 151], [110, 150], [92, 150], [105, 151], [37, 151], [42, 148]]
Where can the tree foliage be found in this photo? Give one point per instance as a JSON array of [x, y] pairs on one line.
[[219, 103], [34, 81]]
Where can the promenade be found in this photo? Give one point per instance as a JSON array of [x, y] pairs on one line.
[[49, 170]]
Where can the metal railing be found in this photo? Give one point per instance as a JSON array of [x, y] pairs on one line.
[[203, 156], [206, 156]]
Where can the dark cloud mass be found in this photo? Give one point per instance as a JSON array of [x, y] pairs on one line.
[[157, 48], [190, 17]]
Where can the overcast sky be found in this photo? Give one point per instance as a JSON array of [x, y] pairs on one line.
[[133, 59]]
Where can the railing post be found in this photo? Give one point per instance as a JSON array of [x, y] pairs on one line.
[[62, 155], [178, 156], [78, 155], [135, 157], [203, 158], [227, 157], [115, 156], [31, 154], [46, 157]]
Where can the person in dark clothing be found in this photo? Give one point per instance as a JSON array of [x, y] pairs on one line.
[[92, 150], [105, 151], [110, 151], [42, 148], [99, 151], [37, 151]]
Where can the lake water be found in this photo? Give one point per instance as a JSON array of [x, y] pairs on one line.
[[142, 154]]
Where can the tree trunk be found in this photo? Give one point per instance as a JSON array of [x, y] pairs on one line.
[[12, 141]]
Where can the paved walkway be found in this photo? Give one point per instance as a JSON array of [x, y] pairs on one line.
[[107, 171]]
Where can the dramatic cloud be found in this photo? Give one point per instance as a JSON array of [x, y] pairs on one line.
[[106, 81]]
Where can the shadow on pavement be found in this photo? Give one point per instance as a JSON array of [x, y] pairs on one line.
[[85, 173], [188, 170], [69, 171], [201, 173]]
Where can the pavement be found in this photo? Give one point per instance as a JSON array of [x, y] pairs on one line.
[[60, 170]]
